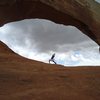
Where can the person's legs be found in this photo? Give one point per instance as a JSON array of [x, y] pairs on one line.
[[54, 61]]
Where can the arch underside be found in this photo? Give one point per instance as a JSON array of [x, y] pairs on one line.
[[16, 10]]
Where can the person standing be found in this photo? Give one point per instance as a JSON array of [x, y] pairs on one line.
[[52, 59]]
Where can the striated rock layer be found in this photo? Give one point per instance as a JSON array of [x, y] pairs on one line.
[[84, 14], [24, 79]]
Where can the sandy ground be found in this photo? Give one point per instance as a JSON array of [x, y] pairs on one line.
[[24, 79]]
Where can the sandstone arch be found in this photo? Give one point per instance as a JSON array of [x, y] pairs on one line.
[[84, 14]]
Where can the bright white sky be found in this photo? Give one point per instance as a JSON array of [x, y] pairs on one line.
[[39, 39], [97, 1]]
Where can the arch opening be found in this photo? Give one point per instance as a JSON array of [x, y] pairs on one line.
[[39, 38]]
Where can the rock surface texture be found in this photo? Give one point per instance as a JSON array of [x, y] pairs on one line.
[[24, 79], [84, 14]]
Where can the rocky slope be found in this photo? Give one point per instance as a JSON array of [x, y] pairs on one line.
[[24, 79]]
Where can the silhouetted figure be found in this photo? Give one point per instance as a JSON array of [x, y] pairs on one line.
[[52, 59]]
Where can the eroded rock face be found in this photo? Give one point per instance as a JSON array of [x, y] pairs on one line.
[[24, 79], [84, 14]]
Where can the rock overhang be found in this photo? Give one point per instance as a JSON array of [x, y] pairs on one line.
[[85, 15]]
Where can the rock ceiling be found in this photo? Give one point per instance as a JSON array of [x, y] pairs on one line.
[[84, 14]]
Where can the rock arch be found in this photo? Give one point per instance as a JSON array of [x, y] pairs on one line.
[[85, 15]]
